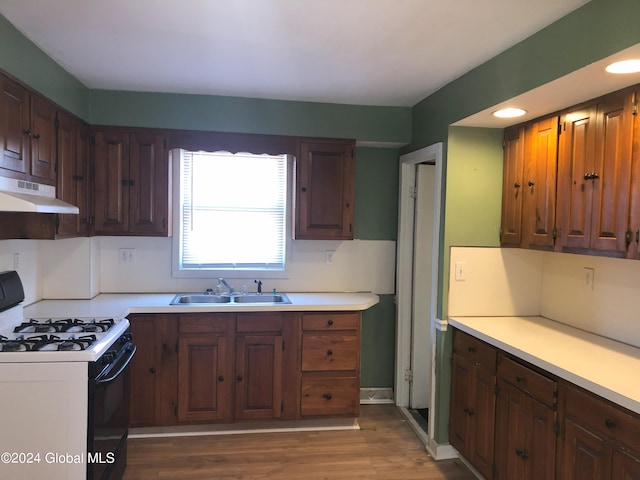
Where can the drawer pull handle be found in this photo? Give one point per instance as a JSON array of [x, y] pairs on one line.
[[221, 378], [519, 378], [471, 350], [239, 378], [327, 396], [329, 352], [471, 413], [609, 423], [152, 370], [330, 322]]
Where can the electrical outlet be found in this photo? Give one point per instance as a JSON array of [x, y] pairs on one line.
[[127, 255], [589, 278], [328, 256]]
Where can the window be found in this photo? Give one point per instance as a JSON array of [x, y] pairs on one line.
[[232, 215]]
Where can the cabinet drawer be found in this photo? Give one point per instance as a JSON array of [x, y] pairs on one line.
[[330, 351], [261, 322], [538, 386], [600, 416], [203, 323], [330, 396], [331, 321], [476, 351]]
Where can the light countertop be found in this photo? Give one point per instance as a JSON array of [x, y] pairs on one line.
[[605, 367], [118, 305]]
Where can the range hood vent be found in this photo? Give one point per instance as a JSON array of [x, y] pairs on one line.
[[22, 196]]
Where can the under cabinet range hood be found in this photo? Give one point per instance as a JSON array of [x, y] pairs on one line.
[[22, 196]]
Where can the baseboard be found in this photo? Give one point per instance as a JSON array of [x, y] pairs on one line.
[[441, 452], [376, 395]]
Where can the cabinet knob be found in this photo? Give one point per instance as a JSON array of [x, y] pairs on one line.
[[303, 189], [471, 350], [519, 378], [27, 132], [221, 378], [327, 396], [609, 423], [594, 176], [329, 352], [530, 183], [37, 136], [152, 370], [329, 322], [587, 176], [239, 378], [516, 185]]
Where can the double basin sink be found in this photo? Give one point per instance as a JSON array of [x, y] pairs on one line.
[[207, 298]]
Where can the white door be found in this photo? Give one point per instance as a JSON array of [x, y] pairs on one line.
[[420, 387]]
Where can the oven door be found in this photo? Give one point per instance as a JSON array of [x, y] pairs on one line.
[[108, 425]]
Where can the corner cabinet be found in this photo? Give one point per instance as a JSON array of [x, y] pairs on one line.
[[132, 184], [324, 190]]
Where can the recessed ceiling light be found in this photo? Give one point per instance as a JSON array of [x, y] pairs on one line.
[[509, 113], [625, 66]]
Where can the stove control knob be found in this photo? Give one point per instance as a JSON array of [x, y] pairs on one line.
[[125, 338], [107, 357]]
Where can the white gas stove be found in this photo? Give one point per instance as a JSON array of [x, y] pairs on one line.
[[56, 339], [76, 368]]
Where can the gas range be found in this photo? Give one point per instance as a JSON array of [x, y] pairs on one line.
[[56, 339]]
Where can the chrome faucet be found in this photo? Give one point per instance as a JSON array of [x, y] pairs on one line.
[[259, 282], [226, 284]]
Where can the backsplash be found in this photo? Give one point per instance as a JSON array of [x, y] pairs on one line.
[[597, 294], [83, 267]]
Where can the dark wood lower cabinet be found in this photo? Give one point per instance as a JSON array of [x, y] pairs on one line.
[[545, 428], [211, 368]]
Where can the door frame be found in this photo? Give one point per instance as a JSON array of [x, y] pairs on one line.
[[404, 271]]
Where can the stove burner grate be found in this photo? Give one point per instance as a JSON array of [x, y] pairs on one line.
[[69, 325], [45, 342]]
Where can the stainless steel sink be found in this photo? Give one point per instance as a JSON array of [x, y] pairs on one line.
[[189, 298], [204, 298], [261, 298]]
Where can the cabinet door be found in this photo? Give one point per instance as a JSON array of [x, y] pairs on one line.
[[15, 142], [43, 140], [204, 392], [258, 377], [149, 185], [111, 171], [625, 466], [483, 421], [512, 186], [586, 455], [510, 433], [541, 152], [575, 164], [153, 370], [611, 180], [461, 401], [73, 175], [539, 455], [324, 191]]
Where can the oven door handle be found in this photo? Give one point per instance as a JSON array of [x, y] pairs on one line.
[[131, 350]]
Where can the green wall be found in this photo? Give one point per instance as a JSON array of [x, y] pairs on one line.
[[30, 65], [378, 353], [596, 30]]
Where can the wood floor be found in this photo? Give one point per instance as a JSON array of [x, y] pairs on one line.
[[383, 448]]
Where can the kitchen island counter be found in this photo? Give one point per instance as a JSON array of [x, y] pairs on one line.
[[603, 366], [118, 305]]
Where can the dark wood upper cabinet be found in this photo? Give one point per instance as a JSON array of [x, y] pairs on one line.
[[512, 186], [132, 184], [27, 134], [73, 175], [594, 179], [324, 190]]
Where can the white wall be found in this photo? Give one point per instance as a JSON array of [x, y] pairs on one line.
[[84, 267], [604, 300]]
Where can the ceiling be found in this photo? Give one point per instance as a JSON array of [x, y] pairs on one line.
[[360, 52]]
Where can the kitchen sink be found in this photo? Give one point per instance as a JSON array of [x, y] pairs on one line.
[[205, 298], [188, 298], [262, 298]]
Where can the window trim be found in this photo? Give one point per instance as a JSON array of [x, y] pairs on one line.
[[176, 272]]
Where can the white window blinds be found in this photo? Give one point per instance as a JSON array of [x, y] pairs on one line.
[[234, 211]]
